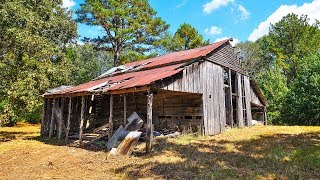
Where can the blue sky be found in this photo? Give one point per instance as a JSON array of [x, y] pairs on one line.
[[218, 19]]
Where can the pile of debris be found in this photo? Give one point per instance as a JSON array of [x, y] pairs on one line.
[[124, 139]]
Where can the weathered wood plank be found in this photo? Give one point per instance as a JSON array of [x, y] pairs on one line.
[[149, 129], [61, 118], [239, 101], [82, 120], [45, 101], [69, 118], [111, 115], [52, 118]]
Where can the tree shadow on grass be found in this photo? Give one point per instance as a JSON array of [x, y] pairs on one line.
[[273, 156], [9, 136]]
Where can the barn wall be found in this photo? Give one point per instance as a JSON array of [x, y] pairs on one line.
[[226, 57], [205, 78]]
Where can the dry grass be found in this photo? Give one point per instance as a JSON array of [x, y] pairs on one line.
[[273, 152]]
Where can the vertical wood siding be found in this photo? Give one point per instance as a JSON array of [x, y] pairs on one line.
[[240, 119], [248, 99], [205, 78]]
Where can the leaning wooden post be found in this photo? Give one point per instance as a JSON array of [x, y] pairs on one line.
[[124, 109], [149, 122], [81, 120], [52, 118], [61, 118], [43, 117], [111, 115], [265, 115], [68, 120]]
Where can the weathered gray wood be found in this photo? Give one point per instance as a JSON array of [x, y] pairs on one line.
[[112, 141], [61, 118], [265, 115], [230, 96], [111, 115], [239, 101], [68, 119], [43, 117], [124, 109], [149, 130], [52, 118], [82, 120], [248, 99]]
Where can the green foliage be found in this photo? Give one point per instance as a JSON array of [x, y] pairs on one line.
[[273, 84], [87, 63], [280, 62], [291, 39], [186, 37], [33, 37], [128, 25], [302, 103], [7, 116]]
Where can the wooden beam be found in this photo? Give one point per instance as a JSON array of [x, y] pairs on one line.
[[149, 122], [52, 118], [111, 115], [43, 117], [265, 115], [69, 118], [81, 120], [231, 105], [61, 118], [129, 90], [124, 109]]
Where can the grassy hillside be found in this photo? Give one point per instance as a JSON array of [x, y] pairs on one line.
[[258, 152]]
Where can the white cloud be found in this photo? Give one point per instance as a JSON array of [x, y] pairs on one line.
[[213, 30], [244, 13], [183, 3], [233, 43], [68, 4], [215, 4], [311, 9]]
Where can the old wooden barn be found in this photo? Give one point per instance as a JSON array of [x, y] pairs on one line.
[[203, 89]]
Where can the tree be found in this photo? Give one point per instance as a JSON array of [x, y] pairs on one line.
[[303, 100], [290, 40], [87, 63], [187, 37], [33, 37], [129, 25]]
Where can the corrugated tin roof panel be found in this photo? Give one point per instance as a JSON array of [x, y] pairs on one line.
[[143, 72]]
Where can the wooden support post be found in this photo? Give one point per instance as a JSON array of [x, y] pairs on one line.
[[69, 118], [231, 105], [111, 116], [81, 120], [43, 117], [52, 118], [149, 122], [124, 109], [265, 115], [61, 118]]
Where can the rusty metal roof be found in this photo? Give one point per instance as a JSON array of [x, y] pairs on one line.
[[141, 73]]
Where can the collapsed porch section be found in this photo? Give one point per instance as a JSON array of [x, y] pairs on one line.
[[161, 110]]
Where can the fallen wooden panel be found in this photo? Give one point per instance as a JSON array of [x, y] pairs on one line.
[[112, 141], [127, 145], [135, 122]]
